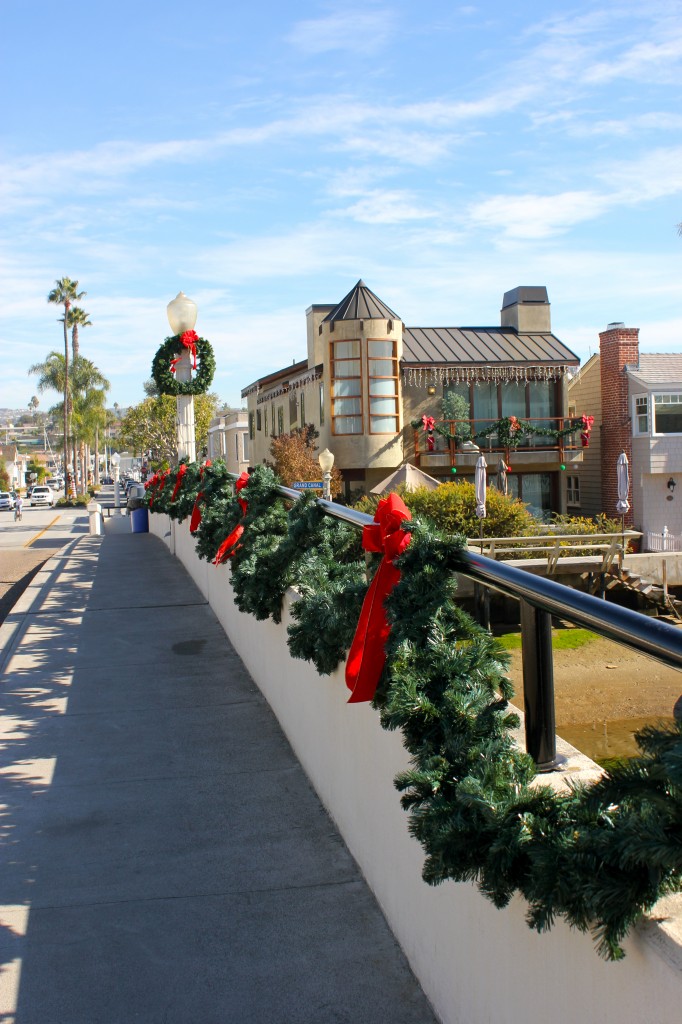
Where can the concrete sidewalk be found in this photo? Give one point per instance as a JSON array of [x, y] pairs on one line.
[[164, 857]]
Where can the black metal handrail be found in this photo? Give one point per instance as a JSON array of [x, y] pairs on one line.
[[540, 599]]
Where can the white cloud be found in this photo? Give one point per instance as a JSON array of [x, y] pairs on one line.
[[357, 30], [388, 207], [537, 216]]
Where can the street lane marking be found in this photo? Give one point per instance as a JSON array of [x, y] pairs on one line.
[[38, 535]]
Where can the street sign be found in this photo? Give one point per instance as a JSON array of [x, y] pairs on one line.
[[308, 485]]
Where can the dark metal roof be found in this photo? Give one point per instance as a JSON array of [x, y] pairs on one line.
[[361, 304], [481, 346]]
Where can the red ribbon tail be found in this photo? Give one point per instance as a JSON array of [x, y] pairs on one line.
[[196, 516], [367, 654], [225, 550]]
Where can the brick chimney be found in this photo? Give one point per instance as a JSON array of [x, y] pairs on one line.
[[618, 348]]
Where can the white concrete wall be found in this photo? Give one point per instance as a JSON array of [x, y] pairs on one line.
[[476, 964]]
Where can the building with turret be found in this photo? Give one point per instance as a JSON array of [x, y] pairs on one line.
[[368, 379]]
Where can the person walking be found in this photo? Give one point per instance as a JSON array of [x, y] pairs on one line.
[[18, 508]]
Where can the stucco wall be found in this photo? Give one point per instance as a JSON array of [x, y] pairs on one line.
[[476, 964]]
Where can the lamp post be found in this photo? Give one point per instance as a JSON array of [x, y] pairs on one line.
[[116, 462], [326, 461], [182, 316]]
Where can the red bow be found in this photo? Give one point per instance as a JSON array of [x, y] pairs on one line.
[[229, 545], [151, 484], [428, 422], [189, 339], [182, 469], [368, 651]]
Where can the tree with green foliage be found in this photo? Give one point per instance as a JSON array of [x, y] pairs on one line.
[[151, 426], [65, 293]]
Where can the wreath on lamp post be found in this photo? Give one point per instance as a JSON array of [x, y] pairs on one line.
[[170, 353]]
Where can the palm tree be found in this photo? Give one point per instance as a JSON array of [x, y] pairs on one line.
[[33, 404], [84, 378], [65, 293], [77, 318], [89, 388]]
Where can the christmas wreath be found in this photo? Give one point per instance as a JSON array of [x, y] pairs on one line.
[[170, 353]]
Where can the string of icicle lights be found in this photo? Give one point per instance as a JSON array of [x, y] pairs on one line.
[[421, 376]]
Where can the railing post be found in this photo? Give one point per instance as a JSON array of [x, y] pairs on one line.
[[538, 686]]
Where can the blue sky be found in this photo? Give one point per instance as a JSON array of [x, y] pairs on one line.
[[264, 156]]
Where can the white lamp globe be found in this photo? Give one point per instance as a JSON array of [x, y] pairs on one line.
[[182, 314], [326, 460]]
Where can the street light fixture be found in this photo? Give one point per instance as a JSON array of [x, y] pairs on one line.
[[326, 461], [115, 461]]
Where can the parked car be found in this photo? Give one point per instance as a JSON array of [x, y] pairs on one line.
[[42, 495], [6, 501], [107, 479]]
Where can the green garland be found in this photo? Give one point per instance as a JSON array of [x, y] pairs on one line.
[[598, 856], [509, 434], [166, 382]]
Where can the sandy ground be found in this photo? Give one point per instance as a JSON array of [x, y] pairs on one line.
[[605, 680]]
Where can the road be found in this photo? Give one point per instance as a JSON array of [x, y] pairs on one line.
[[25, 545]]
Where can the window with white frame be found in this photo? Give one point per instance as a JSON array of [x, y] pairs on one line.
[[641, 414], [346, 387], [667, 418], [572, 490]]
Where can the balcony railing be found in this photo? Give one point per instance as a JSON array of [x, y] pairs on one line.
[[539, 600], [450, 438]]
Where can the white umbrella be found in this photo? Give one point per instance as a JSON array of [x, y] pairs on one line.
[[480, 485], [623, 477], [410, 476]]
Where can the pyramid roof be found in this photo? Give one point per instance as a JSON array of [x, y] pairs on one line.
[[361, 304]]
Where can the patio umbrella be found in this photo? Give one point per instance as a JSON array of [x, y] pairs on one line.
[[480, 486], [410, 476], [623, 479], [502, 468]]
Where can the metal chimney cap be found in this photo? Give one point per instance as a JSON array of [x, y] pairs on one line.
[[616, 323]]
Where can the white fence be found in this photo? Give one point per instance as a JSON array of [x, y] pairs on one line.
[[663, 541]]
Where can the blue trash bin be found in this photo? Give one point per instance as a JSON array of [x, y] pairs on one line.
[[139, 520]]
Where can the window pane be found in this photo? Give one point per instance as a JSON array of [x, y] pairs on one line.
[[347, 424], [342, 388], [485, 405], [347, 368], [347, 406], [668, 415], [382, 387], [537, 491], [514, 400], [321, 404], [382, 405], [380, 348], [346, 349], [382, 368], [245, 447], [384, 424], [542, 398], [302, 408]]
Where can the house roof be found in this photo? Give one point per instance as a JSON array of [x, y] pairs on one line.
[[658, 368], [360, 304], [482, 346]]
